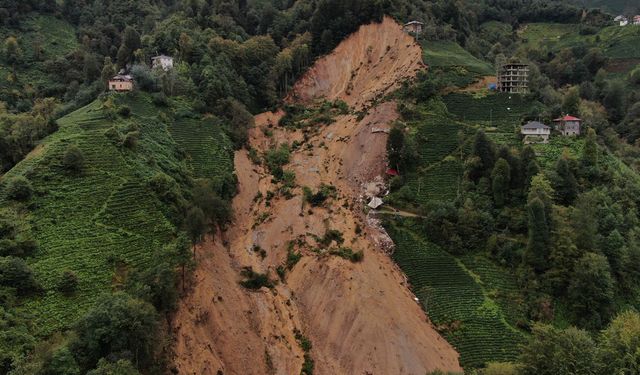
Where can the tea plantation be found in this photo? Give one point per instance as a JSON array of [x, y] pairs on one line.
[[203, 141], [104, 221], [456, 300]]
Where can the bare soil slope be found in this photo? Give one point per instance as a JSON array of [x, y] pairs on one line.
[[360, 317], [368, 64]]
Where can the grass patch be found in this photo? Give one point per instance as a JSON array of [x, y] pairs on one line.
[[447, 53]]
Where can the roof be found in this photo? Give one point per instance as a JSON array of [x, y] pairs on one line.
[[122, 77], [375, 202], [535, 125], [567, 118], [392, 172], [161, 57], [414, 23]]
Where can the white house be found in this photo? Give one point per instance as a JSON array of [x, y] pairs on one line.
[[636, 20], [535, 132], [622, 20], [164, 62]]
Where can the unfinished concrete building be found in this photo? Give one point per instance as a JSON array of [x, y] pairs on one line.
[[513, 78]]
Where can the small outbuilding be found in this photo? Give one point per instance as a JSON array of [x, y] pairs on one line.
[[121, 82], [568, 125], [392, 172], [375, 202], [413, 27], [535, 132], [163, 62], [636, 19]]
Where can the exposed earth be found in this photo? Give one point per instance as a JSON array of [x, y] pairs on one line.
[[361, 318]]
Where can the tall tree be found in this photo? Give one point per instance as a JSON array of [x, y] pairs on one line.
[[591, 291], [117, 326], [565, 183], [485, 150], [539, 243], [590, 150], [196, 224], [500, 182], [551, 351], [620, 345]]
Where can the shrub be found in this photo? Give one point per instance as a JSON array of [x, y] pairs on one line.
[[145, 79], [160, 99], [121, 367], [255, 280], [275, 158], [318, 198], [73, 159], [124, 111], [113, 135], [19, 189], [131, 140], [347, 253], [15, 273], [330, 236], [68, 282]]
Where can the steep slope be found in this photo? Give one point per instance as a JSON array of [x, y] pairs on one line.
[[104, 222], [359, 317], [367, 65]]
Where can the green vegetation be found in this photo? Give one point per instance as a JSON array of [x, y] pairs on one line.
[[318, 198], [203, 140], [443, 53], [614, 41], [471, 321], [255, 280], [305, 344], [349, 254], [97, 229]]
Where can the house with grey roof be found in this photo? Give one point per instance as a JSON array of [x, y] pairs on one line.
[[535, 132]]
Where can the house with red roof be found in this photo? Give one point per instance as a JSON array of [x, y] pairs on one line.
[[568, 125]]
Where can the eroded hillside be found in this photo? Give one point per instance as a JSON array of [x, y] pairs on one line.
[[359, 316]]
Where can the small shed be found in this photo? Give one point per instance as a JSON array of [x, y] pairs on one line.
[[375, 202], [413, 27], [163, 62], [121, 82], [636, 19], [392, 172]]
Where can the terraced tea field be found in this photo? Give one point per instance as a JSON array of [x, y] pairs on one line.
[[448, 54], [502, 111], [204, 142], [614, 41], [440, 182], [104, 222], [456, 303], [437, 136]]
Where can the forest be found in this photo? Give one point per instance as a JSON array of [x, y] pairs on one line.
[[565, 223]]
